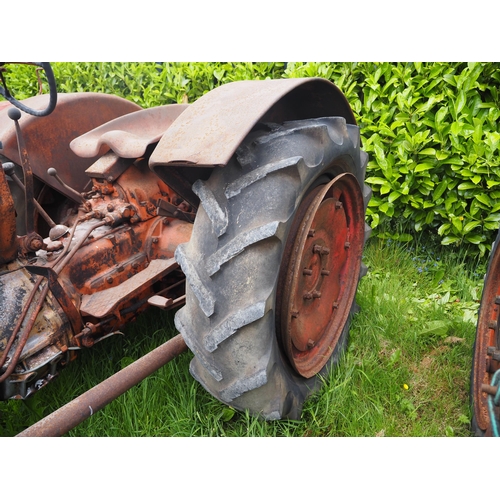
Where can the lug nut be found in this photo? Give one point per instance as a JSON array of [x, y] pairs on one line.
[[307, 296], [316, 294], [335, 305], [307, 272], [338, 205], [295, 314], [310, 343], [347, 244], [325, 272], [489, 389], [311, 232], [321, 250]]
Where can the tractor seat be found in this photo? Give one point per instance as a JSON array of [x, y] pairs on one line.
[[128, 136]]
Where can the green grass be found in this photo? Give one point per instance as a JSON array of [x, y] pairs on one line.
[[405, 372]]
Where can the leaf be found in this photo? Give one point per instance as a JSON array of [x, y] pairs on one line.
[[428, 151], [227, 414], [460, 102], [464, 186], [444, 228], [475, 240], [394, 196], [438, 328], [376, 180], [471, 225], [457, 223], [484, 198], [422, 167], [456, 128], [395, 357], [448, 240], [441, 155], [440, 189]]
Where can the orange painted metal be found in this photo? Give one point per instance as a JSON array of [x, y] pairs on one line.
[[8, 241]]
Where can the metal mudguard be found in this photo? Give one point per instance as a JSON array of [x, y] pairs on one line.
[[47, 139], [129, 135], [208, 132]]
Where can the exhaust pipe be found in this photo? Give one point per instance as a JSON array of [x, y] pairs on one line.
[[8, 239]]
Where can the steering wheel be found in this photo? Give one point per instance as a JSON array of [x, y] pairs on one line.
[[4, 91]]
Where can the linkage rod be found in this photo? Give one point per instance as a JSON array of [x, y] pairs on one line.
[[75, 412]]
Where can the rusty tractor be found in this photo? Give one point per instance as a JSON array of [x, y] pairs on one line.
[[246, 208]]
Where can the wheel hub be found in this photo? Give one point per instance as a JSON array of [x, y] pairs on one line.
[[320, 272]]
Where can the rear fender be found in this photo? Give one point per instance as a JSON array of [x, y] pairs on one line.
[[47, 138], [208, 133]]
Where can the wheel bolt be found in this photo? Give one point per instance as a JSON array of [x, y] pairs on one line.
[[489, 389], [492, 325], [295, 314], [109, 279], [311, 232], [335, 305], [307, 296], [321, 250], [338, 204], [325, 272], [347, 244], [494, 353], [310, 343], [316, 294], [307, 272]]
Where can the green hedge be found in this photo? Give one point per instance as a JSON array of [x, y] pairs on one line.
[[431, 129]]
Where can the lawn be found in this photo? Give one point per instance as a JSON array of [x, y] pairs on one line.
[[405, 372]]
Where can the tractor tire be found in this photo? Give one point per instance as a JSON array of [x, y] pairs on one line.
[[486, 352], [273, 265]]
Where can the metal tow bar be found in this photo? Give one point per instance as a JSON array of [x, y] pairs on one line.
[[75, 412]]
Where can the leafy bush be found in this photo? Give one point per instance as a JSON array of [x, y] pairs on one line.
[[431, 129]]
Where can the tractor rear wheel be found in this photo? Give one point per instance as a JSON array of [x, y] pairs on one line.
[[273, 264], [486, 359]]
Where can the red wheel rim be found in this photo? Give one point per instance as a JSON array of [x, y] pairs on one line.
[[320, 272], [487, 352]]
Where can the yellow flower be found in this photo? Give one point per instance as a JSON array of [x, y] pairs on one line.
[[405, 387]]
